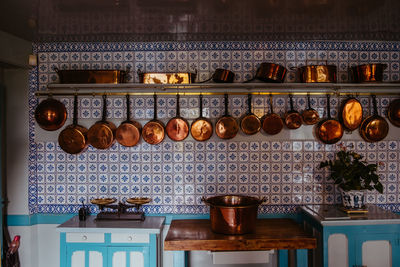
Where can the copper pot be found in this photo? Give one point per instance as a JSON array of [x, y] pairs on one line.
[[250, 123], [270, 73], [202, 128], [128, 133], [374, 128], [73, 139], [50, 114], [177, 128], [233, 214], [351, 114], [226, 126], [367, 73], [153, 131], [91, 76], [317, 74], [292, 117], [101, 135], [272, 123], [310, 115], [329, 130], [394, 112], [221, 76]]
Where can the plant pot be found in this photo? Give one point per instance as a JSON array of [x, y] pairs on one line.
[[353, 199]]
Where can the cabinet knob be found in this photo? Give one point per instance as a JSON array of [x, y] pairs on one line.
[[130, 238], [84, 237]]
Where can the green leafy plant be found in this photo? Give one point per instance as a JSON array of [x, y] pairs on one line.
[[350, 172]]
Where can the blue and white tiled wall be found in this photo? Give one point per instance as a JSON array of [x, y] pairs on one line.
[[177, 174]]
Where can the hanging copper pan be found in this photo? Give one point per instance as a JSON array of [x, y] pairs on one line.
[[202, 128], [329, 130], [128, 133], [153, 131], [250, 123], [272, 123], [374, 128], [50, 114], [351, 114], [394, 112], [177, 128], [292, 117], [310, 115], [73, 139], [226, 126], [101, 135]]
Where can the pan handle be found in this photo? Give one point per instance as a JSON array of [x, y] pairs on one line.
[[203, 199]]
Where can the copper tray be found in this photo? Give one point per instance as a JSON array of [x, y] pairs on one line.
[[91, 76], [138, 200], [102, 201]]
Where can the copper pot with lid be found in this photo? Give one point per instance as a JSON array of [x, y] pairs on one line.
[[329, 130], [374, 128], [250, 123], [233, 214], [73, 139], [177, 128], [202, 128], [153, 132], [226, 126], [292, 117], [128, 132], [310, 115], [101, 135], [50, 114], [272, 123]]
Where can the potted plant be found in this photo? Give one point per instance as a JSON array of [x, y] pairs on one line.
[[353, 176]]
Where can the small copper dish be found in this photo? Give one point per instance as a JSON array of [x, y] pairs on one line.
[[138, 200], [102, 201]]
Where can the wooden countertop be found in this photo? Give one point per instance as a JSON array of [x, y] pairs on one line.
[[269, 234]]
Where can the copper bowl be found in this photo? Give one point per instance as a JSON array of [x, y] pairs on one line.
[[233, 214]]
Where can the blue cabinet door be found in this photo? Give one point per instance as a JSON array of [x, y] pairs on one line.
[[86, 255], [128, 256]]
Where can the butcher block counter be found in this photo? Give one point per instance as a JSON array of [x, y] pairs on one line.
[[278, 234]]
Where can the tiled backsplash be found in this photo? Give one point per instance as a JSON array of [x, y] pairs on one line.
[[177, 174]]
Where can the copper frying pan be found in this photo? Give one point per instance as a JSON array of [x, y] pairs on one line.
[[310, 115], [250, 123], [394, 112], [272, 122], [351, 114], [128, 133], [329, 130], [101, 135], [226, 126], [50, 114], [202, 128], [153, 131], [177, 128], [73, 139], [292, 117], [374, 128]]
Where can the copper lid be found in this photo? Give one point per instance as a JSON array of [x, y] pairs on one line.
[[351, 114]]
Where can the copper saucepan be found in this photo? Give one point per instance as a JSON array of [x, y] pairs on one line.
[[317, 74], [221, 76], [351, 114], [128, 132], [50, 114], [374, 128], [73, 139], [272, 123], [394, 112], [177, 128], [367, 73], [329, 130], [270, 72], [226, 126], [310, 115], [292, 117], [153, 131], [202, 128], [250, 123], [101, 135]]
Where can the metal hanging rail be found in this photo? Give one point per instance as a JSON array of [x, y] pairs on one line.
[[221, 89]]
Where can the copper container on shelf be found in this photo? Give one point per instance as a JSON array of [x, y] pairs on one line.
[[318, 74], [367, 73], [166, 78], [91, 76], [233, 214]]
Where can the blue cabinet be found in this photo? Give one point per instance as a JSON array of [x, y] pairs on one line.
[[111, 244]]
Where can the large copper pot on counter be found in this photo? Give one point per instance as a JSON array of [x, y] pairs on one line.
[[233, 214]]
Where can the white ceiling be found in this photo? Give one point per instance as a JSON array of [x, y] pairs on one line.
[[171, 20]]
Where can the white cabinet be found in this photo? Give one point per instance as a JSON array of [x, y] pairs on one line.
[[128, 256], [86, 257]]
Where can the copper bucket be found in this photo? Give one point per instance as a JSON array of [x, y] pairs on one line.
[[233, 214]]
